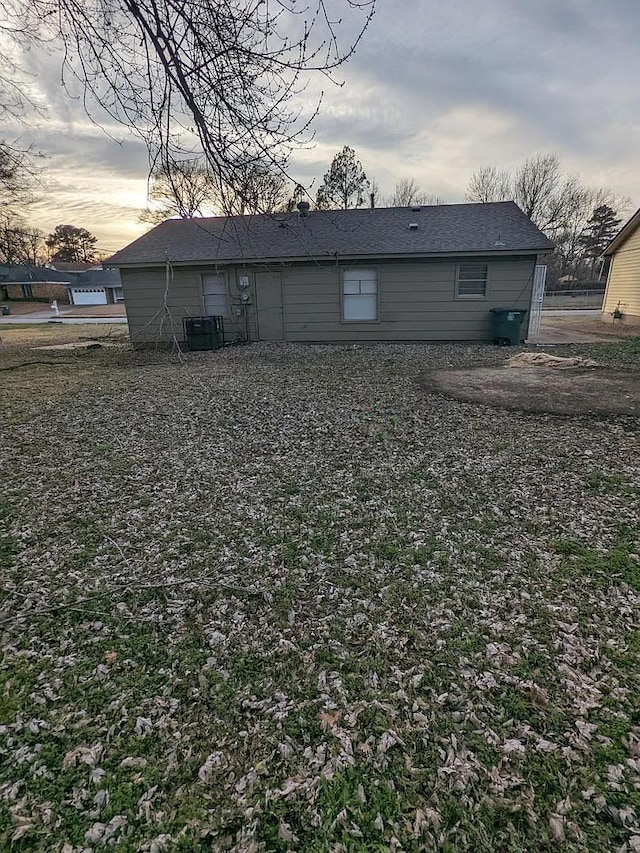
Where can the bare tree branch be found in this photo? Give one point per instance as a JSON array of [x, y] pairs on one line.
[[489, 184], [560, 205], [408, 191], [217, 79]]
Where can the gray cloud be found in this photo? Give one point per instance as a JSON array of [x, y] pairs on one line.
[[435, 91], [528, 77]]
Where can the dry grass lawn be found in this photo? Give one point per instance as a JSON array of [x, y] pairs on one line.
[[281, 598], [24, 336]]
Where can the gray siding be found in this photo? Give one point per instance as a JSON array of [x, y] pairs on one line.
[[416, 300], [152, 319]]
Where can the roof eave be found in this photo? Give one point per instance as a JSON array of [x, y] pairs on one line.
[[623, 235], [282, 259], [34, 281]]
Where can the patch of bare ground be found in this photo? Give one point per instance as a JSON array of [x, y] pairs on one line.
[[578, 391]]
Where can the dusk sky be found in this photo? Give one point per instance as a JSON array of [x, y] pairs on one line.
[[435, 91]]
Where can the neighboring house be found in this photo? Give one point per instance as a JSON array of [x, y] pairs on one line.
[[89, 287], [384, 274], [23, 281], [96, 287], [622, 296], [72, 267]]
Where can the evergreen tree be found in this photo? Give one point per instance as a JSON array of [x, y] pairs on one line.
[[345, 183], [600, 230], [71, 244]]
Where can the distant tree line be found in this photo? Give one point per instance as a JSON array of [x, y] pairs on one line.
[[581, 220], [187, 188], [20, 243]]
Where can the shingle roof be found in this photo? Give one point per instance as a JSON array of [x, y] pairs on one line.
[[23, 273], [98, 278], [443, 229], [68, 266]]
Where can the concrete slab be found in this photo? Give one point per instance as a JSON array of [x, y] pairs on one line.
[[561, 335], [570, 312]]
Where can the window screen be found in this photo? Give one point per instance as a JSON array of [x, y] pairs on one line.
[[360, 295], [216, 298], [472, 280]]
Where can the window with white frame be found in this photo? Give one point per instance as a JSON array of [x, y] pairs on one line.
[[471, 282], [216, 295], [360, 295]]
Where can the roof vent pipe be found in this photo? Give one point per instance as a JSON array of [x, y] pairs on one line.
[[373, 200], [303, 207]]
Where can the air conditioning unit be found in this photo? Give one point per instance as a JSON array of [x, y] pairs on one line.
[[203, 333]]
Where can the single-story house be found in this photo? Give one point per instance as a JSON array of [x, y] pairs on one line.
[[383, 274], [622, 296], [23, 281], [96, 287]]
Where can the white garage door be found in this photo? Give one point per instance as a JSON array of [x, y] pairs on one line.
[[89, 295]]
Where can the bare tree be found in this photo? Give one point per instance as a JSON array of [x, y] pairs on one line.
[[291, 197], [257, 189], [34, 246], [210, 78], [537, 188], [408, 191], [489, 184], [18, 176], [559, 204], [185, 189], [374, 192], [19, 243], [574, 210]]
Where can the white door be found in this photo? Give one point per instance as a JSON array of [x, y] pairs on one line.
[[216, 297], [537, 298], [89, 295]]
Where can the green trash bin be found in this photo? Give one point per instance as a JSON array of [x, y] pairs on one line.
[[506, 326]]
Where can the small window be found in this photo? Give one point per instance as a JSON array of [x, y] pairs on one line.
[[472, 281], [216, 297], [27, 291], [360, 295]]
